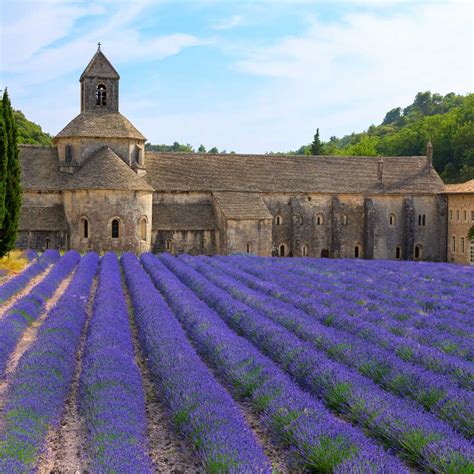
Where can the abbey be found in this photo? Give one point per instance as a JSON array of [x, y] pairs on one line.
[[98, 189]]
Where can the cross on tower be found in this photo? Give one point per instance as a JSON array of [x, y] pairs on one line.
[[98, 44]]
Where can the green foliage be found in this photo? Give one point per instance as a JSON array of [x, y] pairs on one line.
[[175, 148], [11, 180], [3, 168], [316, 146], [470, 233], [202, 149]]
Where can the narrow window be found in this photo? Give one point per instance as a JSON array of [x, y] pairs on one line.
[[356, 251], [249, 247], [47, 243], [304, 250], [68, 154], [419, 219], [453, 244], [319, 219], [143, 228], [278, 220], [458, 215], [393, 220], [462, 245], [344, 219], [115, 229], [465, 216], [281, 250], [85, 228], [101, 95], [451, 214], [398, 253], [472, 216], [169, 245], [423, 220], [417, 252]]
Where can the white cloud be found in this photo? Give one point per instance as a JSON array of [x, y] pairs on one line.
[[228, 23]]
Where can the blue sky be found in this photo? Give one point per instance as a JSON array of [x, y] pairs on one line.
[[246, 76]]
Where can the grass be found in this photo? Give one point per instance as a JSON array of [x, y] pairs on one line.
[[13, 262]]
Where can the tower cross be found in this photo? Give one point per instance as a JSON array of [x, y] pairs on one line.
[[98, 44]]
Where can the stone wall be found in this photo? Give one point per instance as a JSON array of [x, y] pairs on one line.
[[41, 240], [100, 208], [193, 242], [460, 220]]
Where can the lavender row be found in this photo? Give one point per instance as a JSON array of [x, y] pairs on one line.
[[28, 308], [18, 282], [419, 436], [111, 397], [288, 289], [434, 393], [37, 394], [199, 406], [316, 439]]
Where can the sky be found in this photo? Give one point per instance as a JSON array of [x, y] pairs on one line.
[[249, 76]]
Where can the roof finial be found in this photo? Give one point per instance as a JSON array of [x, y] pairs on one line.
[[98, 46]]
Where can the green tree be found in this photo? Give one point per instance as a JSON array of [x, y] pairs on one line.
[[316, 146], [12, 180], [3, 168], [214, 150], [202, 149]]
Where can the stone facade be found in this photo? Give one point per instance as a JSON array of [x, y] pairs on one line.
[[98, 189], [460, 221]]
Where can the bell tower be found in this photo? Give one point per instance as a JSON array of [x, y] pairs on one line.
[[99, 85]]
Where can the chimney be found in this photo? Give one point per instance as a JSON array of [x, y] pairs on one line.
[[429, 156], [380, 173]]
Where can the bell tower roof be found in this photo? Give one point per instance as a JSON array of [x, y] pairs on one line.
[[99, 67]]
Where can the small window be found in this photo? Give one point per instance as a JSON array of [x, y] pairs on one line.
[[169, 245], [278, 220], [453, 244], [143, 228], [319, 219], [282, 250], [68, 153], [101, 95], [419, 219], [47, 243], [462, 245], [458, 215], [393, 220], [423, 220], [115, 229], [249, 247], [356, 251], [451, 215], [344, 219], [85, 228], [465, 216], [418, 252], [304, 250], [398, 253]]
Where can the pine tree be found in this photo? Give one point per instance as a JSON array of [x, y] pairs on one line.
[[316, 146], [3, 168], [13, 189]]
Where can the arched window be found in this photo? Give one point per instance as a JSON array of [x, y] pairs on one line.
[[282, 250], [115, 229], [169, 245], [418, 252], [419, 219], [68, 154], [344, 219], [47, 243], [304, 250], [85, 227], [398, 253], [249, 247], [462, 245], [278, 220], [143, 228], [101, 95], [453, 244], [319, 219], [356, 251], [423, 220], [393, 220]]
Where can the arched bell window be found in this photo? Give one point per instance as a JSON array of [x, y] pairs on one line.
[[101, 95]]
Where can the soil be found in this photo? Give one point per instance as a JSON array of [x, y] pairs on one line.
[[65, 445]]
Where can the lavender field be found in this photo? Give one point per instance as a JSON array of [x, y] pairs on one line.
[[236, 364]]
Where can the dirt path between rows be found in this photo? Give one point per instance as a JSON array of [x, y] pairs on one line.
[[168, 451], [27, 339], [65, 445]]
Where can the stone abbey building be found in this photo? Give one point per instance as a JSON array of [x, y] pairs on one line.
[[98, 189]]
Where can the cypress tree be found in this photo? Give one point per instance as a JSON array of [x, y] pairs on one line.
[[316, 146], [12, 188], [3, 168]]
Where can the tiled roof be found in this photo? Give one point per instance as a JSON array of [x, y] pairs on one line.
[[242, 205], [282, 174], [100, 125], [195, 216], [42, 218], [105, 170], [467, 187]]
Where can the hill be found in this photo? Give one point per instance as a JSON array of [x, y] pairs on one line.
[[448, 121], [30, 132]]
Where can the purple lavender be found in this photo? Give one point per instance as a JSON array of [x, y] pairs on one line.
[[199, 406], [111, 396], [38, 391]]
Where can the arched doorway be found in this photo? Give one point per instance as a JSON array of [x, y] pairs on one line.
[[324, 253], [282, 250]]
